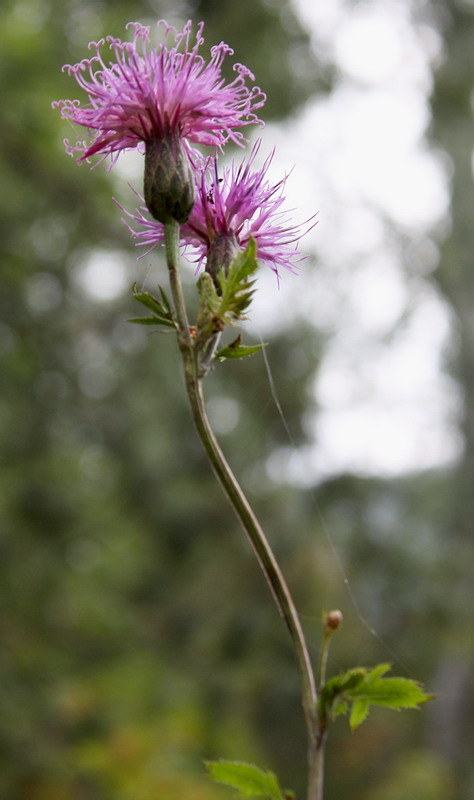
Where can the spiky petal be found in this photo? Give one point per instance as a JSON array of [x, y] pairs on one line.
[[148, 92]]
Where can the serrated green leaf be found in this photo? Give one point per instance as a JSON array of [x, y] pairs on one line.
[[364, 687], [391, 693], [359, 711], [155, 320], [249, 780], [235, 293], [376, 690]]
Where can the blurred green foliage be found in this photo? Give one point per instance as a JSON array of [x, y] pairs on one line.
[[137, 636]]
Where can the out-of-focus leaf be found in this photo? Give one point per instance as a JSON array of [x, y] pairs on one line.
[[249, 780], [363, 687]]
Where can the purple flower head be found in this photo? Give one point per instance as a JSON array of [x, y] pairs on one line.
[[146, 94], [230, 209]]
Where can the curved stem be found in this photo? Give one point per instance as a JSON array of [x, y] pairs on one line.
[[247, 518], [259, 544]]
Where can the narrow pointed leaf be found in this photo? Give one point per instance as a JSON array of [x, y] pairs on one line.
[[155, 320], [238, 351], [164, 299]]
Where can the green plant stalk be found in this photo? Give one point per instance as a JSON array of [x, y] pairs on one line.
[[323, 659], [248, 520], [319, 750], [172, 260]]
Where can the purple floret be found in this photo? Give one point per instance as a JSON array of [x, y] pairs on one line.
[[241, 202], [150, 92]]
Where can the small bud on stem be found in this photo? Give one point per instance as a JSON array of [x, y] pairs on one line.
[[333, 620]]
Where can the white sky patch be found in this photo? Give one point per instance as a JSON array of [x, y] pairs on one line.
[[361, 160], [378, 297], [103, 275], [365, 46], [224, 413], [129, 168]]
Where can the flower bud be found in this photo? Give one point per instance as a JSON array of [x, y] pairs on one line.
[[333, 620], [222, 251], [169, 179]]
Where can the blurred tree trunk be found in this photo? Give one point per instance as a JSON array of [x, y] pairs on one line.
[[451, 731]]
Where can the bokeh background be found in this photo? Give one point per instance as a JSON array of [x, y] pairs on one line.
[[137, 635]]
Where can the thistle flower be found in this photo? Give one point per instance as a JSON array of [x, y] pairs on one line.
[[228, 211], [145, 95]]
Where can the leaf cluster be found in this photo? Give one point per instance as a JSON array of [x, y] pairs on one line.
[[362, 687], [224, 299]]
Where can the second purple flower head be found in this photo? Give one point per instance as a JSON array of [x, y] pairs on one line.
[[230, 208]]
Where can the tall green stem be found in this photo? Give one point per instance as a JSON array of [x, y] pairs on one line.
[[248, 520], [172, 260]]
